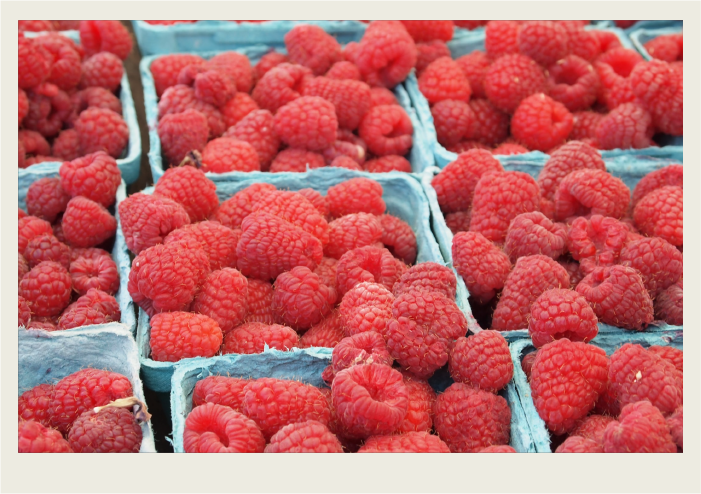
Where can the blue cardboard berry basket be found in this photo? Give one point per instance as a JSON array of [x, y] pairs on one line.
[[120, 253], [420, 156], [609, 342], [47, 357], [130, 161], [628, 168], [228, 35], [403, 195]]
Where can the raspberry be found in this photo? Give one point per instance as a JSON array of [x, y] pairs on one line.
[[95, 176], [627, 126], [361, 348], [308, 122], [344, 70], [427, 276], [192, 189], [212, 428], [214, 87], [165, 69], [220, 390], [46, 199], [583, 44], [327, 271], [408, 442], [301, 299], [34, 142], [82, 391], [345, 162], [328, 333], [366, 307], [543, 41], [102, 70], [382, 96], [387, 129], [474, 66], [497, 449], [34, 63], [618, 296], [500, 83], [100, 301], [498, 199], [36, 26], [313, 48], [111, 36], [469, 419], [180, 98], [675, 423], [596, 241], [304, 437], [46, 288], [254, 337], [176, 141], [533, 233], [614, 68], [238, 107], [640, 428], [429, 52], [592, 427], [236, 66], [591, 191], [30, 227], [275, 403], [48, 108], [23, 105], [669, 304], [33, 437], [99, 273], [296, 160], [579, 444], [424, 31], [260, 302], [34, 404], [572, 156], [167, 277], [456, 183], [65, 61], [416, 349], [501, 38], [352, 231], [607, 40], [636, 374], [444, 80], [658, 261], [280, 86], [317, 200], [386, 54], [232, 211], [527, 363], [573, 82], [226, 155], [350, 99], [296, 209], [66, 145], [100, 129], [437, 313], [111, 430], [419, 413], [24, 312], [80, 316], [372, 264], [660, 89], [147, 219], [223, 297], [666, 48], [561, 313], [357, 195], [671, 354], [270, 245], [369, 400], [398, 238], [179, 335], [482, 265], [660, 214], [584, 124], [482, 361], [453, 120], [87, 223], [90, 253], [541, 123], [669, 175]]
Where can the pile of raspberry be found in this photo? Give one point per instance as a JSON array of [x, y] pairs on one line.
[[264, 268], [68, 106], [540, 84], [40, 26], [319, 105], [67, 277], [572, 249], [628, 402], [89, 411]]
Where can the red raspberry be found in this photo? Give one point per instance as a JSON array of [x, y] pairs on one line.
[[491, 125], [180, 98], [176, 141], [100, 301], [667, 47], [100, 129], [260, 302], [669, 304], [214, 87], [453, 120], [386, 54], [317, 200], [147, 219], [628, 126], [429, 52], [83, 391], [296, 160], [361, 348], [301, 298], [212, 428], [671, 354], [669, 175], [408, 442], [345, 162], [419, 413], [95, 176], [640, 428], [46, 288], [99, 273], [34, 404], [372, 264], [90, 253], [573, 82], [351, 99], [579, 369], [328, 333], [660, 214], [614, 68], [497, 449], [238, 107], [232, 211], [584, 125], [382, 96], [304, 437], [618, 296], [275, 403], [48, 108], [591, 191], [165, 69], [675, 423], [254, 337], [527, 363], [427, 276], [34, 142], [111, 36], [533, 233], [387, 129], [308, 122], [469, 419], [501, 38], [483, 266], [636, 374], [398, 238], [579, 444], [223, 297], [352, 231], [424, 31], [220, 390], [87, 223], [366, 307], [237, 66], [660, 89], [33, 437], [592, 427], [474, 65], [541, 123], [660, 264], [179, 335], [192, 189], [167, 277], [344, 70], [369, 400], [227, 155], [34, 63], [102, 70], [327, 271], [572, 156], [66, 145], [80, 316], [416, 349], [482, 361], [30, 227], [46, 199], [280, 86], [357, 195], [65, 61], [111, 430], [312, 47], [23, 106], [500, 83], [443, 79], [388, 163], [596, 241], [24, 313], [543, 41], [433, 310], [584, 44], [561, 313]]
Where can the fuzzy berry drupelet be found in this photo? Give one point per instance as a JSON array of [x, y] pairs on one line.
[[543, 41], [573, 82], [669, 304], [34, 404], [312, 47]]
